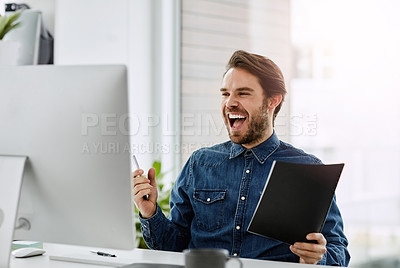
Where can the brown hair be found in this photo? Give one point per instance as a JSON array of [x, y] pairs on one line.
[[268, 73]]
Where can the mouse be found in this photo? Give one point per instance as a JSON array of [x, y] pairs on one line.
[[27, 252]]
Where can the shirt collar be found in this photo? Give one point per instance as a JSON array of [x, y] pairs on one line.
[[261, 151]]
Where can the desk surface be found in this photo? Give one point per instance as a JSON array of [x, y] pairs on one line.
[[132, 256]]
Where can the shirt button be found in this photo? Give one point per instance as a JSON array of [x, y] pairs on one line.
[[208, 199], [238, 227], [243, 198], [235, 254], [248, 171]]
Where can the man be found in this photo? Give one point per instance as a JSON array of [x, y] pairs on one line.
[[216, 194]]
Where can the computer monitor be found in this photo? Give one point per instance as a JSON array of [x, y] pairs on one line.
[[72, 124]]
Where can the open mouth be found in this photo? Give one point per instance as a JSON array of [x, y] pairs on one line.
[[236, 120]]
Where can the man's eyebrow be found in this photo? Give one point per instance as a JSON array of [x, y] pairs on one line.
[[238, 89], [244, 89]]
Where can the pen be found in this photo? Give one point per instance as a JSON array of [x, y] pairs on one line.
[[103, 253], [145, 197]]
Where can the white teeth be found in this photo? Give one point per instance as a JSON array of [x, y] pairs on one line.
[[236, 116]]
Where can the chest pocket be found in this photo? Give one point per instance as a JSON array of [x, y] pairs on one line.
[[208, 207]]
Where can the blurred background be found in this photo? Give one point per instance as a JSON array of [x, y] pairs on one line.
[[339, 58]]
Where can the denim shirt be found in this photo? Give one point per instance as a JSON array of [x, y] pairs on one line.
[[215, 196]]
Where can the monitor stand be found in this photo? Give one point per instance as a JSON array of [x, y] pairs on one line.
[[11, 174]]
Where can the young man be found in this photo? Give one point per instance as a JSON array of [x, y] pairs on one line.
[[215, 196]]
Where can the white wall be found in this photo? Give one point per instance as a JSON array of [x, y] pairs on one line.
[[95, 32]]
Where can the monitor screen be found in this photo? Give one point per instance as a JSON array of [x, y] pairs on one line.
[[72, 124]]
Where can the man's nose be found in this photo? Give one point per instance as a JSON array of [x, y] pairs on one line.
[[231, 101]]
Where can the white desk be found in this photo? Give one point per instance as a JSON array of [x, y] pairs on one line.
[[136, 255]]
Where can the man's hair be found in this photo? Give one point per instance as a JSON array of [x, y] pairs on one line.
[[268, 73]]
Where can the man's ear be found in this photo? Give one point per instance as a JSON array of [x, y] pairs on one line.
[[274, 101]]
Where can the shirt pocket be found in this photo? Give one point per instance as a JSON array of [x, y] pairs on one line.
[[208, 206]]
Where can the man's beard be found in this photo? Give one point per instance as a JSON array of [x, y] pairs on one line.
[[259, 124]]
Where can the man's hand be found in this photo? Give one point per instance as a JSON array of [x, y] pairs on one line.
[[145, 186], [310, 253]]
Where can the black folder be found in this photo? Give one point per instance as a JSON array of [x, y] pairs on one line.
[[295, 201]]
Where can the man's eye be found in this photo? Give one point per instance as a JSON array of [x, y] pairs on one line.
[[225, 94], [243, 93]]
